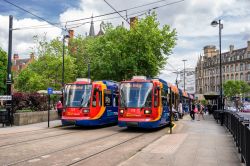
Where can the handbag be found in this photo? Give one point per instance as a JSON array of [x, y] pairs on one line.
[[195, 110]]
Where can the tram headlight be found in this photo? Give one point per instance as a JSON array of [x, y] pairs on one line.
[[147, 111], [121, 111], [85, 111]]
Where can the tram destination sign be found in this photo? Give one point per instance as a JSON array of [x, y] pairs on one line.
[[5, 97]]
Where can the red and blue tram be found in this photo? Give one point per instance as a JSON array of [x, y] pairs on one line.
[[143, 103], [89, 103]]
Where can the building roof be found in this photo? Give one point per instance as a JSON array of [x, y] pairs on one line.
[[21, 61], [92, 29]]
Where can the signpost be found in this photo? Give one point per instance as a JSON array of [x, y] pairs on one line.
[[5, 97], [50, 91]]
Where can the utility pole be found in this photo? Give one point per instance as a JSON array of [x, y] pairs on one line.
[[184, 73], [9, 77]]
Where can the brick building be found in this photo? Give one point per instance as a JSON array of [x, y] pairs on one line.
[[235, 66], [19, 64]]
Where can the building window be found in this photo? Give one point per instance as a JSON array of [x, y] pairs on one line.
[[228, 77], [248, 54], [227, 69], [232, 77], [241, 67], [236, 77], [241, 76], [248, 76], [236, 68], [248, 66], [232, 68]]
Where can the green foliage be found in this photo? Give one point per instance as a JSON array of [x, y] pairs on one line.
[[204, 102], [118, 54], [46, 71], [235, 88], [3, 71], [122, 53]]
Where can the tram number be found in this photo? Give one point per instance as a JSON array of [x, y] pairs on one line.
[[111, 113]]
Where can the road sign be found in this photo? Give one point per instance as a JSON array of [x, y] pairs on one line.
[[5, 97], [50, 91]]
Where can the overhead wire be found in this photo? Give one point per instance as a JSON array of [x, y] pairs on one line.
[[41, 18], [102, 15]]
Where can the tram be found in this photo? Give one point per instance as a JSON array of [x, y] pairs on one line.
[[89, 103], [143, 103]]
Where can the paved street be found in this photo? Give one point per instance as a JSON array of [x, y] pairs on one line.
[[193, 143]]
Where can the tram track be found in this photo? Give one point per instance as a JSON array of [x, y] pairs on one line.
[[36, 139], [23, 134], [104, 150], [61, 149], [113, 147]]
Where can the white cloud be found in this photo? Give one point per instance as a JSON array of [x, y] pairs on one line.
[[23, 39], [191, 19]]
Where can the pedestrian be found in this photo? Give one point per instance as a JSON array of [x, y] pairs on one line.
[[180, 110], [192, 114], [200, 111], [59, 108]]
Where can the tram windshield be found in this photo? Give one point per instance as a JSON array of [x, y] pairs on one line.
[[78, 95], [136, 95]]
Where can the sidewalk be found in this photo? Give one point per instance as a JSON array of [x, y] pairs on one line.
[[30, 127], [193, 143]]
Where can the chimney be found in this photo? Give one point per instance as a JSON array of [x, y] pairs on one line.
[[15, 57], [231, 48], [32, 56], [71, 34], [133, 22], [248, 44]]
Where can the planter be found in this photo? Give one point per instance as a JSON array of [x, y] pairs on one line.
[[25, 118]]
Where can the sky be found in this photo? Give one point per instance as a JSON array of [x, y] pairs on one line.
[[190, 18]]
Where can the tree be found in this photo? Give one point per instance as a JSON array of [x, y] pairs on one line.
[[3, 71], [46, 71], [235, 88], [121, 53]]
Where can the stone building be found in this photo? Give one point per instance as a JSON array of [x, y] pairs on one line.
[[235, 66]]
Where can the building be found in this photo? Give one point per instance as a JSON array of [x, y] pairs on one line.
[[20, 64], [235, 66], [189, 80]]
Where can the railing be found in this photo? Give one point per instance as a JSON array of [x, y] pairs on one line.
[[238, 125]]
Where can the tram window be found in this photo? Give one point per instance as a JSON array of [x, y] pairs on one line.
[[100, 98], [116, 101], [107, 99], [156, 97], [95, 98], [94, 101]]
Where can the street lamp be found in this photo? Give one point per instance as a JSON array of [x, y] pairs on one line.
[[64, 37], [184, 73], [214, 24]]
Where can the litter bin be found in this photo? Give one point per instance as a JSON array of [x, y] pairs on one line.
[[4, 117]]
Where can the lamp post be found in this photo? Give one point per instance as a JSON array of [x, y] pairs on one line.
[[214, 24], [184, 73], [64, 37]]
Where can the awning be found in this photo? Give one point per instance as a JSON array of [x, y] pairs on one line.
[[173, 88]]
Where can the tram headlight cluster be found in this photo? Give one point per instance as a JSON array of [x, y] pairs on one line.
[[121, 111], [147, 111], [85, 111]]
